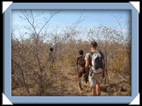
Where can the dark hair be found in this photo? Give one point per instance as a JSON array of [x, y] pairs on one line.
[[51, 49], [81, 52], [94, 43]]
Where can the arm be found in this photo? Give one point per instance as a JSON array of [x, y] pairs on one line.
[[77, 64], [104, 69], [87, 62], [87, 66], [77, 61]]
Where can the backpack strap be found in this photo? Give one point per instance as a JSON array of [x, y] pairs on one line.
[[97, 51], [91, 52]]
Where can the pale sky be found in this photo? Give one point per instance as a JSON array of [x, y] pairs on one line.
[[92, 18]]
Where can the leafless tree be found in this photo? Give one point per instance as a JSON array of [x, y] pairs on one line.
[[30, 18], [30, 56]]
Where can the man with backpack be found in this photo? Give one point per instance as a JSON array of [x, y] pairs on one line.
[[95, 67], [81, 62]]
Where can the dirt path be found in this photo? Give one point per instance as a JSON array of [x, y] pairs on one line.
[[67, 85]]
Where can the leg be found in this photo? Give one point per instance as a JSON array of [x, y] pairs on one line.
[[86, 77], [80, 83], [92, 82], [97, 88], [93, 87], [94, 91], [79, 79], [98, 82]]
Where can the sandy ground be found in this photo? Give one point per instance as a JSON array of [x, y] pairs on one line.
[[66, 84]]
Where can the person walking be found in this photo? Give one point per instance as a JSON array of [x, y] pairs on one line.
[[51, 59], [95, 67], [81, 62]]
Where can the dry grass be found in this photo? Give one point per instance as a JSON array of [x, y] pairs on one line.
[[67, 85]]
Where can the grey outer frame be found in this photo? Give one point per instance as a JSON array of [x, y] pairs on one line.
[[72, 99]]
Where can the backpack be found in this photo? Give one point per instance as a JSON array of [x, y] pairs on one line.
[[96, 60]]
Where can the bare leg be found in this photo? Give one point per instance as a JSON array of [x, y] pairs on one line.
[[97, 88], [79, 78], [94, 91], [80, 83]]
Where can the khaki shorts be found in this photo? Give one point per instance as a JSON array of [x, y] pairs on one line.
[[95, 78]]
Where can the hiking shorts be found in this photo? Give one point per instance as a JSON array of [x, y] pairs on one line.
[[95, 78]]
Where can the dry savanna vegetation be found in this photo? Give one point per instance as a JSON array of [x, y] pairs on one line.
[[33, 74]]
